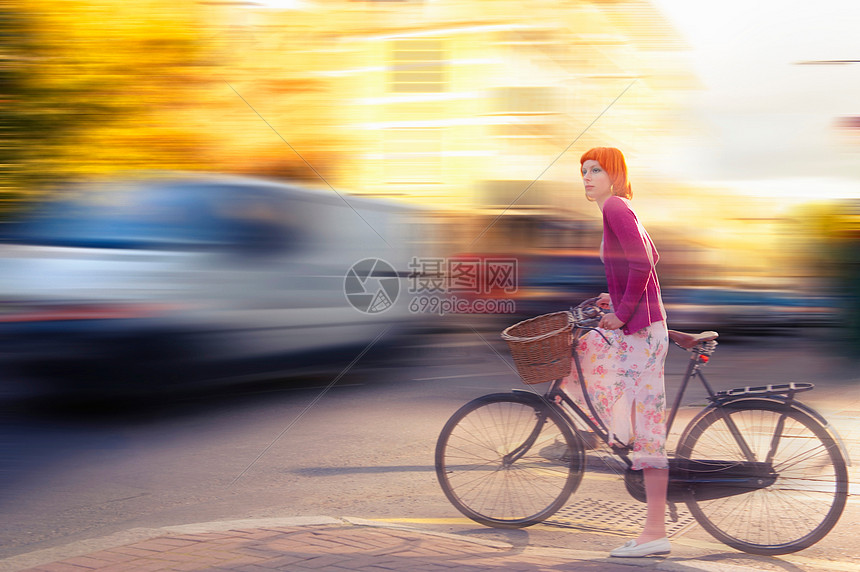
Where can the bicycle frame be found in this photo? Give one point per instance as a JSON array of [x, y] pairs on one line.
[[710, 478], [512, 460]]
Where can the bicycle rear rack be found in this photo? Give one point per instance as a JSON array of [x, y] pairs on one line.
[[772, 389]]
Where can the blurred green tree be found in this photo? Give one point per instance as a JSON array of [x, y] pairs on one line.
[[92, 87], [85, 86], [24, 128]]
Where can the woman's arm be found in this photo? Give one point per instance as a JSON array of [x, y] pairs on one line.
[[623, 223]]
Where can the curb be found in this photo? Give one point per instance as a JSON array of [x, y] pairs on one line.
[[134, 535]]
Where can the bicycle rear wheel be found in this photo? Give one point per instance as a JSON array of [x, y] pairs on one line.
[[802, 489], [508, 460]]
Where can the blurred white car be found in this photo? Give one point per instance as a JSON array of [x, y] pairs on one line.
[[190, 279]]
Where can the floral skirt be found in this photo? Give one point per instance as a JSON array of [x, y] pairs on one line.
[[624, 380]]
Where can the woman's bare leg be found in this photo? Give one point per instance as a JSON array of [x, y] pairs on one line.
[[656, 483]]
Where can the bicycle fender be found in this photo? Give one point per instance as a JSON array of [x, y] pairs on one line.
[[542, 399], [522, 395], [775, 403], [531, 395], [770, 402]]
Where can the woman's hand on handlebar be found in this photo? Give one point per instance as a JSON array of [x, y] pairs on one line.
[[610, 322], [603, 301]]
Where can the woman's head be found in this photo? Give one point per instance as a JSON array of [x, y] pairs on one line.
[[612, 161]]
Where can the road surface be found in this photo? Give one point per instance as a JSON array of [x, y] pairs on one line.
[[362, 447]]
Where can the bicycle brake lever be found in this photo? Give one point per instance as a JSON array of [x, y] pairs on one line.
[[579, 317]]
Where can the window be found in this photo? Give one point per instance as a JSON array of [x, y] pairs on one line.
[[417, 66]]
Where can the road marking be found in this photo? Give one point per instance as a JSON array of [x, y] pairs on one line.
[[461, 376], [461, 520]]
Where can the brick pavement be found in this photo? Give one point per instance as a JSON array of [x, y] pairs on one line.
[[317, 543]]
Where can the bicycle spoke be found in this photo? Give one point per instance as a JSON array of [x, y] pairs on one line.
[[809, 485], [506, 460]]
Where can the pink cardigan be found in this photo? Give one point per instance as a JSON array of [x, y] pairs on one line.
[[630, 257]]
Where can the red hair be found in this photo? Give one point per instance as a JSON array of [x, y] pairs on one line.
[[612, 161]]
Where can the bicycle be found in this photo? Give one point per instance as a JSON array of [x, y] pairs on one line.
[[758, 469]]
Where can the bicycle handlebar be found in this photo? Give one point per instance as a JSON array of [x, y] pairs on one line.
[[587, 314]]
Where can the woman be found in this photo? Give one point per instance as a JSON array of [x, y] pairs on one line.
[[625, 377]]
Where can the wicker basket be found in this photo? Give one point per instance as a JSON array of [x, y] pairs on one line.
[[541, 347]]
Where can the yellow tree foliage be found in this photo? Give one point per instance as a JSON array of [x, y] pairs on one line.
[[94, 87]]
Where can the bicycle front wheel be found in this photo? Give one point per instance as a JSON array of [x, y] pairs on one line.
[[508, 460], [801, 481]]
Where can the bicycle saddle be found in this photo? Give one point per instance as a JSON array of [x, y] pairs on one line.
[[688, 341]]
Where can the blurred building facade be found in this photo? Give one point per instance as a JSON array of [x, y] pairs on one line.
[[470, 107], [475, 110]]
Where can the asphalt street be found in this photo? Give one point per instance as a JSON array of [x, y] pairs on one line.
[[362, 447]]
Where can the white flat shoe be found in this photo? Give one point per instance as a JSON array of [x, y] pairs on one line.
[[633, 550]]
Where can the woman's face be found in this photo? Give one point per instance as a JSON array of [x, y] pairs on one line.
[[598, 187]]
